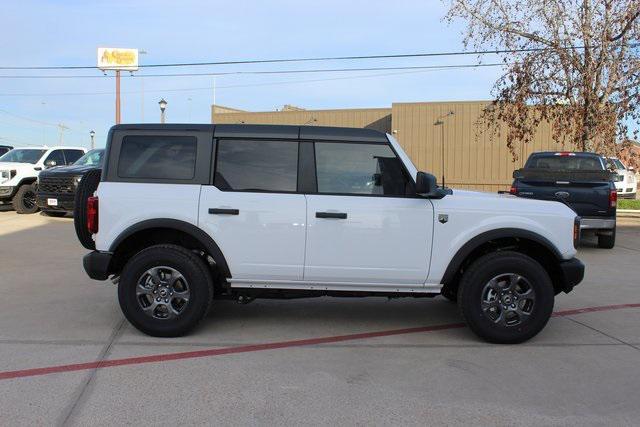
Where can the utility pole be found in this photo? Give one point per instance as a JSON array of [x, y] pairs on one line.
[[117, 97], [61, 129]]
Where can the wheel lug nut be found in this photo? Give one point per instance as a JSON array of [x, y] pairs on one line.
[[166, 300], [158, 299]]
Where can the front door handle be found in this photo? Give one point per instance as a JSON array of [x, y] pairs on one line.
[[220, 211], [336, 215]]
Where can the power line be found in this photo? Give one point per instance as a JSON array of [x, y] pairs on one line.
[[414, 70], [309, 59], [235, 73]]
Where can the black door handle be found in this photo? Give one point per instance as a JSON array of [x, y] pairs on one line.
[[337, 215], [219, 211]]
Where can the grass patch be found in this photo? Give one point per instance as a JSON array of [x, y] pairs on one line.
[[628, 204]]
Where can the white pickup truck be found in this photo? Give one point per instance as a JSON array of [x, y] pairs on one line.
[[19, 169], [182, 215]]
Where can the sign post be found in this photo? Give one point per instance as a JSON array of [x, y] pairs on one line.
[[117, 59]]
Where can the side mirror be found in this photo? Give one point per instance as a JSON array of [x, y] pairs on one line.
[[50, 163], [426, 184]]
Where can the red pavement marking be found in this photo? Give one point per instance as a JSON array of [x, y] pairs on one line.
[[5, 375]]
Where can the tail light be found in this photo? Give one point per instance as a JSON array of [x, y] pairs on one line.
[[92, 215], [576, 232], [513, 190], [613, 198]]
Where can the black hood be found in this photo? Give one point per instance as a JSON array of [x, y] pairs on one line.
[[68, 170]]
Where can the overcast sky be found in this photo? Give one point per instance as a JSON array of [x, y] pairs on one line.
[[68, 32]]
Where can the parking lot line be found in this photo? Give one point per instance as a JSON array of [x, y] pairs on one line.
[[266, 346]]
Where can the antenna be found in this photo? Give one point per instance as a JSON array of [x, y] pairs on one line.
[[440, 122]]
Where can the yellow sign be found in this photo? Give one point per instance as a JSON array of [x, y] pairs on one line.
[[110, 58]]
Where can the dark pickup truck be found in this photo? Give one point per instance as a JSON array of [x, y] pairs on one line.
[[581, 181]]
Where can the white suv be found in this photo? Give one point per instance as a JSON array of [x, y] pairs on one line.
[[192, 213], [624, 179], [19, 169]]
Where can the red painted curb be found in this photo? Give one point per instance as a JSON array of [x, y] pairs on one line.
[[266, 346]]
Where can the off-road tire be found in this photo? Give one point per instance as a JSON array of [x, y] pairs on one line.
[[481, 272], [55, 214], [607, 241], [195, 272], [88, 185], [24, 201]]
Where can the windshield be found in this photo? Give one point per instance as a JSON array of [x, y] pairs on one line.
[[615, 164], [558, 162], [92, 158], [18, 155]]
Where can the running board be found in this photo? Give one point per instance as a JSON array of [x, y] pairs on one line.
[[428, 288]]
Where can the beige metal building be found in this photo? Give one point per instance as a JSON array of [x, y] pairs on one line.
[[473, 159]]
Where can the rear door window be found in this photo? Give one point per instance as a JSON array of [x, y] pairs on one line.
[[158, 157], [245, 165]]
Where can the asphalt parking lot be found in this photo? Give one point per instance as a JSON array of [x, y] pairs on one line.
[[67, 356]]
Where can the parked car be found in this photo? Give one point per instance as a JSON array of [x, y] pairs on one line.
[[5, 149], [581, 181], [624, 178], [57, 186], [19, 169], [185, 214]]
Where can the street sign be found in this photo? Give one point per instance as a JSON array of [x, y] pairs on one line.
[[111, 58]]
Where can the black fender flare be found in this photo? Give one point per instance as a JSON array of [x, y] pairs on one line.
[[205, 240], [482, 238]]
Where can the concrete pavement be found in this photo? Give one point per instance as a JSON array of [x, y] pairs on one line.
[[582, 369]]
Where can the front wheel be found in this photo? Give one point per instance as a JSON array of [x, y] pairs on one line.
[[165, 290], [506, 297], [24, 201]]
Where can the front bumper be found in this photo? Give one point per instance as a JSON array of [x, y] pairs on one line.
[[571, 273], [66, 202], [597, 223], [97, 264], [6, 192]]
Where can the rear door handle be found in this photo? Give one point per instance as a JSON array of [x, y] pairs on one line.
[[337, 215], [220, 211]]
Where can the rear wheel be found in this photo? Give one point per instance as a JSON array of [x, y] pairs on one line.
[[607, 241], [165, 290], [24, 201], [506, 297], [87, 186]]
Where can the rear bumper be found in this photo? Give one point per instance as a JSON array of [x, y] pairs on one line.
[[572, 273], [597, 223], [97, 264], [66, 202]]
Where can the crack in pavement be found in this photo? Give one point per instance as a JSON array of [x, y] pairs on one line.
[[84, 387], [634, 346]]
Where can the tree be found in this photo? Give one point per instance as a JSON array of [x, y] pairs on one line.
[[573, 63]]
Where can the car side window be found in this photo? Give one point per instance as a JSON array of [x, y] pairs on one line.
[[246, 165], [158, 157], [72, 155], [357, 168], [56, 156]]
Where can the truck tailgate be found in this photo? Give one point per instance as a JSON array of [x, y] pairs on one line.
[[586, 192]]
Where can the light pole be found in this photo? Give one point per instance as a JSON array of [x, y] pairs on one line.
[[92, 134], [163, 106], [440, 122]]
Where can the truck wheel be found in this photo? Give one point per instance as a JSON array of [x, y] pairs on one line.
[[607, 241], [506, 297], [56, 214], [449, 294], [165, 290], [24, 201], [88, 185]]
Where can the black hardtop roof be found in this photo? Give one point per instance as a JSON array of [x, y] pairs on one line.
[[326, 133]]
